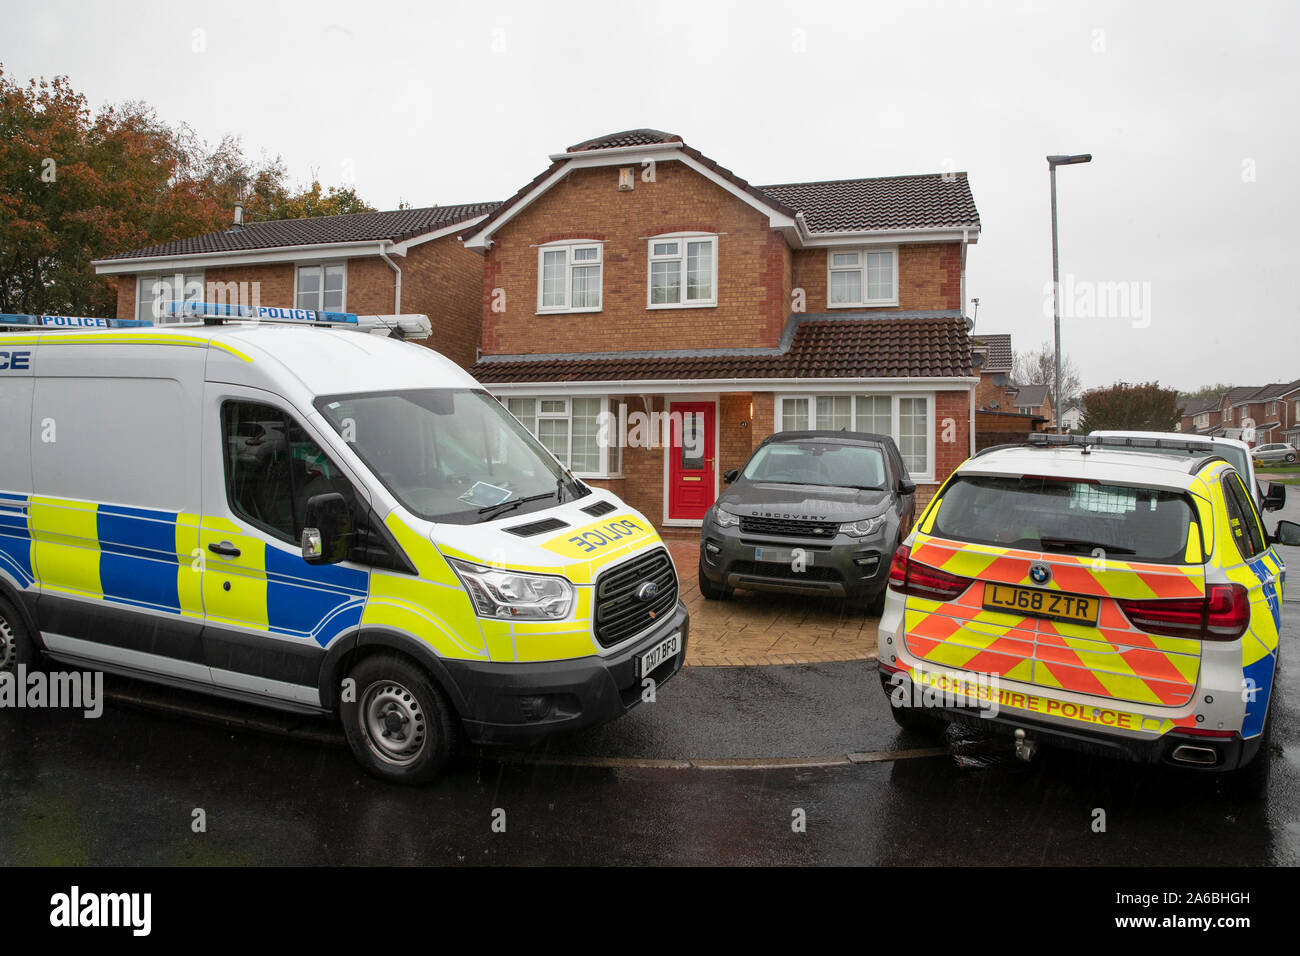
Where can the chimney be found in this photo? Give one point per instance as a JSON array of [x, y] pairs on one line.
[[239, 217]]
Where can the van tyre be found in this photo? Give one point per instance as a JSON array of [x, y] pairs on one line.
[[711, 591], [16, 646], [400, 726]]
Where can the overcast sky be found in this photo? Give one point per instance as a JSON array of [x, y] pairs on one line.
[[1192, 200]]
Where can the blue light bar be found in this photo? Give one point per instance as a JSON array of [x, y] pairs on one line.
[[221, 310], [27, 321]]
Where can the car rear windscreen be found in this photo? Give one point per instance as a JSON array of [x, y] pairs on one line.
[[1067, 517]]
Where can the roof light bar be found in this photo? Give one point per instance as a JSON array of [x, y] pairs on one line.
[[222, 310], [27, 321]]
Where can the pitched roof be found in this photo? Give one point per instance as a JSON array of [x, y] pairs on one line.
[[392, 226], [1030, 396], [930, 200], [886, 202], [918, 344], [998, 347]]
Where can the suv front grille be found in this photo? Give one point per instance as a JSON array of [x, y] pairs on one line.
[[789, 527], [620, 612]]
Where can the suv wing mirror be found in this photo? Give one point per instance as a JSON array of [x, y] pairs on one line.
[[906, 486], [1288, 533], [729, 476]]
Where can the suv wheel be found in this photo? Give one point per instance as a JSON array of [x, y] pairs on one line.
[[400, 726]]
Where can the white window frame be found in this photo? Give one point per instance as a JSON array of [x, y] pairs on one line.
[[144, 284], [568, 247], [861, 267], [608, 404], [319, 306], [683, 238], [926, 477]]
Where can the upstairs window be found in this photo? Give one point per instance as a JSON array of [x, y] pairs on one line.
[[861, 277], [569, 277], [322, 288], [683, 272]]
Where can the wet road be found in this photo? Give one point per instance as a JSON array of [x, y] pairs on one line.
[[124, 789]]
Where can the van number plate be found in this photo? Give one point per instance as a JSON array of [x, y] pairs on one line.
[[1064, 607], [659, 653]]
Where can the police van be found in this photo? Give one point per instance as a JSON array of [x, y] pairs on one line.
[[273, 506]]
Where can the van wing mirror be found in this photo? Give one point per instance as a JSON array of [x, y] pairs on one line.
[[1288, 533], [729, 476], [1274, 496], [327, 529]]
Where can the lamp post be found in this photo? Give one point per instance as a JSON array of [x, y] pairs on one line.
[[1052, 163]]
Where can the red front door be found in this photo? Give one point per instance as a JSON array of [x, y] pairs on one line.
[[691, 460]]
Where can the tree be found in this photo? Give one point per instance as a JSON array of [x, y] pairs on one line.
[[77, 186], [1146, 407], [1039, 368], [1205, 391]]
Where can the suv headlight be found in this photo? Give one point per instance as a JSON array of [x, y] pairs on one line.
[[860, 529], [724, 518], [509, 594]]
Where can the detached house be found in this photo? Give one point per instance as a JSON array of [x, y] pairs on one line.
[[635, 279], [380, 263]]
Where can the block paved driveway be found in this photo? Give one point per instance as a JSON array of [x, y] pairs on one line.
[[754, 628]]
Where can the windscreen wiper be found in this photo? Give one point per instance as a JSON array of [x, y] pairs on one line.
[[1063, 544], [511, 505]]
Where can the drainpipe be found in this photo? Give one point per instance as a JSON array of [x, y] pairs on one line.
[[397, 281]]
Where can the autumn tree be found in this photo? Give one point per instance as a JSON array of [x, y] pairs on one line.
[[1125, 407], [76, 186]]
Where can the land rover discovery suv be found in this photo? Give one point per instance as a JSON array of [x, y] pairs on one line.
[[812, 512]]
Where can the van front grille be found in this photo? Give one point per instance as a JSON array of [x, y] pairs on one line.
[[623, 608]]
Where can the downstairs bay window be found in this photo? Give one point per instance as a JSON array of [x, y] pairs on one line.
[[571, 429], [906, 418]]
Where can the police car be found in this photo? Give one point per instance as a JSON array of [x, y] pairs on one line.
[[1112, 601], [405, 554]]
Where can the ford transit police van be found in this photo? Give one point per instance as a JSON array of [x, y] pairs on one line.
[[319, 520]]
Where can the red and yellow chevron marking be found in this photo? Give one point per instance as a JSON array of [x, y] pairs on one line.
[[1111, 660]]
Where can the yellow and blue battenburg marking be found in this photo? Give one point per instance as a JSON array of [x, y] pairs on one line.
[[15, 539]]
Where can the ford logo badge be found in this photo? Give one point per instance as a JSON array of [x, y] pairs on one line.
[[1040, 573], [648, 591]]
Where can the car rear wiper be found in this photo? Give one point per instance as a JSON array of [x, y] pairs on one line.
[[504, 506], [1063, 544]]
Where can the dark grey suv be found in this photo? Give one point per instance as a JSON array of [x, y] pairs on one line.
[[810, 513]]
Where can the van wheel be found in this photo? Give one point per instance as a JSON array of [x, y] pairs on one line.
[[16, 645], [711, 591], [1251, 781], [400, 727]]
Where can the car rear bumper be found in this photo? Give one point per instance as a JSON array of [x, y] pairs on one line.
[[1175, 748], [516, 703]]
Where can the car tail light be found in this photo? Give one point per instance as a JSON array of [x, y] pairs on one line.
[[921, 580], [1222, 615]]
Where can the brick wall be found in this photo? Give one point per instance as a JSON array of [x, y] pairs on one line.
[[754, 267], [443, 279], [929, 277]]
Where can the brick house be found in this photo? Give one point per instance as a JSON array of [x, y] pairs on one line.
[[995, 371], [636, 281], [406, 260], [1201, 416]]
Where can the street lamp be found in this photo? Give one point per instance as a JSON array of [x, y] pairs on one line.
[[1052, 163]]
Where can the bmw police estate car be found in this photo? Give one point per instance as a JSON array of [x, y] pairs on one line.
[[1111, 601]]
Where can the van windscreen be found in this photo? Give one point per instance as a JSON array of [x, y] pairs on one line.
[[1067, 517]]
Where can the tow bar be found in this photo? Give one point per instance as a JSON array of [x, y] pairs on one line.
[[1026, 746]]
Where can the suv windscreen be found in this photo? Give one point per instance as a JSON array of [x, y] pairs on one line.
[[818, 463], [448, 454], [1067, 517]]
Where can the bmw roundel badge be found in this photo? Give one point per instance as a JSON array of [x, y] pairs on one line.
[[1040, 573]]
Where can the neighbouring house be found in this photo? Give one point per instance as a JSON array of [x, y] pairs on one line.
[[1270, 410], [635, 281], [1200, 415], [1033, 400], [379, 263], [998, 392], [995, 370], [1072, 417]]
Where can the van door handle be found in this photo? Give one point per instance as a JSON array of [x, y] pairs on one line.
[[225, 549]]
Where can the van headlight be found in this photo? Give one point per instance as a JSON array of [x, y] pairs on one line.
[[863, 528], [509, 594], [724, 518]]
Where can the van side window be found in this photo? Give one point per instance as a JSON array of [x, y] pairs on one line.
[[273, 467], [1246, 531]]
